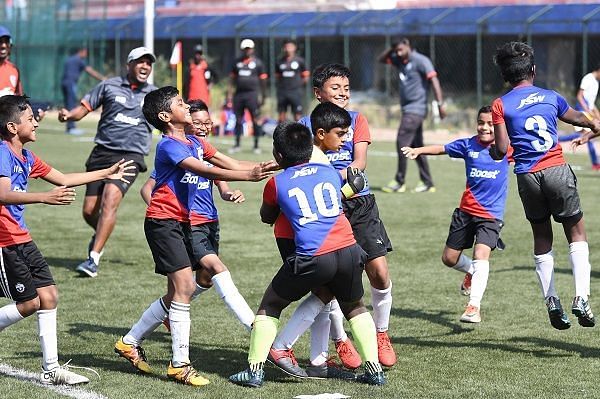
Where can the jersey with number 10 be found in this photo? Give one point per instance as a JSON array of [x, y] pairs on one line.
[[530, 114], [309, 197]]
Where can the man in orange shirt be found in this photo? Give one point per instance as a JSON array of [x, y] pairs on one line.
[[10, 81], [200, 77]]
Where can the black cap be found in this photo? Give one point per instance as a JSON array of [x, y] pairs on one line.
[[198, 48]]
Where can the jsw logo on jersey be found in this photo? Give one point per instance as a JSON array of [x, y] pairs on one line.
[[473, 154], [305, 172], [339, 156], [486, 174], [531, 99]]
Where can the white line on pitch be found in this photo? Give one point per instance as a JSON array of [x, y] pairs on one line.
[[34, 378]]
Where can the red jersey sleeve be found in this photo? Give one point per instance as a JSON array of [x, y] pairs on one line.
[[209, 149], [509, 154], [39, 168], [270, 193], [361, 130], [497, 111]]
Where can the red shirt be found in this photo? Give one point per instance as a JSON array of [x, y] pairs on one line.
[[10, 81], [198, 82]]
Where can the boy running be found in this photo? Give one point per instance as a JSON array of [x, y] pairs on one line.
[[205, 226], [527, 116], [167, 226], [479, 216], [25, 276], [326, 252]]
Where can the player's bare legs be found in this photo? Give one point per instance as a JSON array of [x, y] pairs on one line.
[[91, 210], [111, 199]]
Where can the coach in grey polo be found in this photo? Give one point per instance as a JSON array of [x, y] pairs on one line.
[[122, 133], [416, 73]]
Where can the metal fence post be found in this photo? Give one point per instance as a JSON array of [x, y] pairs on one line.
[[479, 56], [432, 23], [532, 18], [346, 24], [585, 56]]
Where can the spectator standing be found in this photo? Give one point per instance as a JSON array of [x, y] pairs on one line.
[[74, 65], [200, 77], [291, 76], [248, 79], [416, 73], [10, 78]]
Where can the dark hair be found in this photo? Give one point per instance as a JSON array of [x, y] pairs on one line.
[[324, 72], [197, 105], [290, 41], [486, 109], [402, 40], [11, 109], [597, 67], [293, 142], [328, 116], [158, 101], [515, 60]]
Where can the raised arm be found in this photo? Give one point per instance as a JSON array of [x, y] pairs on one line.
[[93, 73], [413, 153], [119, 171], [57, 196], [385, 56], [216, 173], [75, 114]]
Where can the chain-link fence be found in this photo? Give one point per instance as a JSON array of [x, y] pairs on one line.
[[460, 42]]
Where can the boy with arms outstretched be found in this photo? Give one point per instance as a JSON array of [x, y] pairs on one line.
[[326, 252], [331, 84], [479, 217], [25, 276], [527, 117], [205, 226], [178, 159]]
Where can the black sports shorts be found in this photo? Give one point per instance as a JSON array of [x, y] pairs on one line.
[[466, 229], [170, 242], [101, 158], [205, 239], [291, 99], [369, 231], [340, 271], [23, 269]]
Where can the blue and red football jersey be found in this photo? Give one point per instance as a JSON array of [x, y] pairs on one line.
[[203, 209], [530, 114], [17, 167], [487, 180], [309, 197], [175, 187], [358, 132]]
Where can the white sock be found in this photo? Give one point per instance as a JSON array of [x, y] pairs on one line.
[[150, 320], [319, 336], [544, 267], [179, 317], [199, 291], [481, 271], [579, 254], [302, 318], [48, 339], [382, 306], [464, 264], [95, 257], [9, 315], [233, 299], [336, 316]]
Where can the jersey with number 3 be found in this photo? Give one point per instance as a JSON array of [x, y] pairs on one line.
[[309, 197], [530, 114]]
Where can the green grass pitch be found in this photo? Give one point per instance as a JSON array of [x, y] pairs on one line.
[[513, 353]]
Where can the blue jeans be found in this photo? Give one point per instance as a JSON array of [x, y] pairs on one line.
[[69, 90]]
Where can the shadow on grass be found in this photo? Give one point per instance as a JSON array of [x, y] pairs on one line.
[[441, 318], [583, 351], [65, 263], [561, 270]]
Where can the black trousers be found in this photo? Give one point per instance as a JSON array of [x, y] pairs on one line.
[[410, 133]]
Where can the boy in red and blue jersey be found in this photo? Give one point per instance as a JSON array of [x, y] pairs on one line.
[[478, 219], [331, 84], [527, 117], [167, 226], [204, 221], [326, 252], [25, 276]]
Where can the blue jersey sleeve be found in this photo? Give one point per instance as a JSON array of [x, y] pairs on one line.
[[457, 148], [562, 104], [153, 174], [173, 152], [5, 164]]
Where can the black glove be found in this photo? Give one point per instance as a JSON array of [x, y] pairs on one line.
[[494, 153], [355, 182]]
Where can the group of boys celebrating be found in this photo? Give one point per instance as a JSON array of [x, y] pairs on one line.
[[326, 224]]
